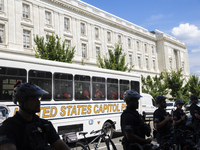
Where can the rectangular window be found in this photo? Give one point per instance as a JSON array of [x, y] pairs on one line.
[[82, 29], [84, 51], [130, 60], [112, 89], [139, 62], [170, 63], [67, 44], [8, 77], [1, 5], [119, 39], [152, 49], [182, 65], [25, 11], [124, 85], [2, 34], [47, 17], [138, 46], [42, 79], [26, 39], [135, 85], [97, 33], [129, 43], [97, 51], [82, 87], [154, 65], [63, 85], [108, 37], [147, 63], [98, 85], [145, 48], [66, 24]]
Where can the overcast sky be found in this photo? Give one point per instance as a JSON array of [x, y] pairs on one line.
[[178, 18]]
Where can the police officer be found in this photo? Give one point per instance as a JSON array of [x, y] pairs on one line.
[[25, 130], [179, 117], [195, 112], [179, 122], [131, 122], [162, 120]]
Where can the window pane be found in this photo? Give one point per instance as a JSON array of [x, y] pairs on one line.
[[112, 88], [124, 85], [1, 33], [43, 80], [84, 54], [98, 85], [25, 11], [82, 87], [63, 86], [108, 36], [1, 4], [135, 85], [66, 23], [82, 29], [48, 17], [8, 77], [26, 39]]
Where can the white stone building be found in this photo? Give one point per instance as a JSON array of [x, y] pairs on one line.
[[91, 30]]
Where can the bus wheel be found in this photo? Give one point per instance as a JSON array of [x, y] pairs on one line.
[[109, 131]]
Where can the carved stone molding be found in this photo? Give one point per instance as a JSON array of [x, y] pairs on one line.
[[27, 24], [35, 6]]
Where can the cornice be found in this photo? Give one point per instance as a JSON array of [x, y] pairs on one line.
[[94, 13], [172, 41]]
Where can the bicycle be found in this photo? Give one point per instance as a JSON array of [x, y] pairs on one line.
[[102, 136]]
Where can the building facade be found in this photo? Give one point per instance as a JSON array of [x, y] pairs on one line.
[[91, 30]]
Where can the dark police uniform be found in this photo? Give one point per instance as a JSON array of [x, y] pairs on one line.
[[27, 135], [131, 122], [177, 116], [195, 121], [182, 125], [159, 116]]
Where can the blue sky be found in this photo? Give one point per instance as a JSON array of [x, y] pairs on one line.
[[178, 18]]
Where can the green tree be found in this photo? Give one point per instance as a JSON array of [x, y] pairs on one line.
[[53, 49], [176, 84], [194, 84], [154, 86], [116, 60]]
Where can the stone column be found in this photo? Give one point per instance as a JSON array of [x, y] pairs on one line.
[[41, 21], [61, 26], [36, 20]]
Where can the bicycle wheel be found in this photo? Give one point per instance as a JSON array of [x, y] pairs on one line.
[[81, 146], [109, 131]]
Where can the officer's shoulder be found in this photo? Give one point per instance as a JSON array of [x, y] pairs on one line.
[[44, 121], [157, 110]]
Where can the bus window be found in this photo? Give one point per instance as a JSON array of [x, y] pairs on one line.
[[82, 87], [63, 86], [43, 80], [135, 85], [98, 88], [8, 77], [124, 85], [112, 88]]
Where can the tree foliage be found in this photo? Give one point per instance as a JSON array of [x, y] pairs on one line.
[[154, 85], [177, 84], [53, 49], [194, 84], [116, 60], [171, 83]]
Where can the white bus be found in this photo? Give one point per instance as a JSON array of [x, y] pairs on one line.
[[81, 98]]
